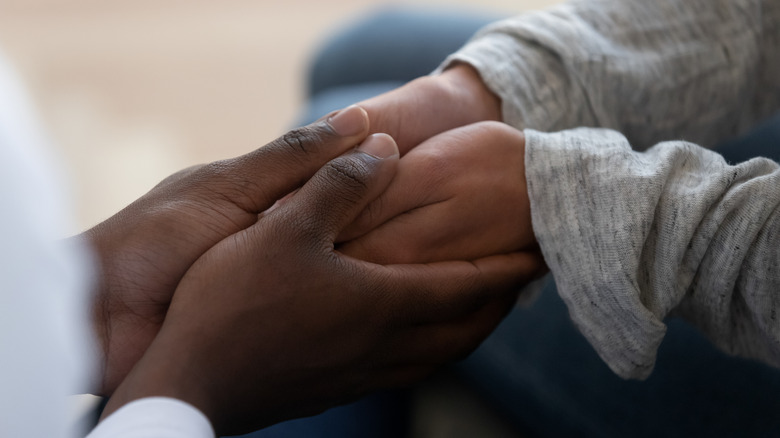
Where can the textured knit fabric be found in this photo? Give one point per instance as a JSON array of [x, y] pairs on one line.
[[633, 237]]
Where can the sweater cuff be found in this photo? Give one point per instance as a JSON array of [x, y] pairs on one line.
[[584, 244], [515, 60]]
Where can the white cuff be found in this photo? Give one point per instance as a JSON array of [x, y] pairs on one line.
[[158, 417]]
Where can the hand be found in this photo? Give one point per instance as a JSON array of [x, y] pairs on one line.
[[460, 195], [273, 323], [431, 105], [145, 249]]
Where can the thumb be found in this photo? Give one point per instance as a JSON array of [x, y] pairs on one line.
[[256, 180], [337, 194]]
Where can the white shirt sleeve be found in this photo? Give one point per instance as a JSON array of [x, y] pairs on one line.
[[158, 417], [47, 350], [46, 353]]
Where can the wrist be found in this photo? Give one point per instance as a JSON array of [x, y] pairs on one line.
[[470, 93], [165, 370]]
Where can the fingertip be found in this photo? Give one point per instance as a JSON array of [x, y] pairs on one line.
[[381, 146], [346, 185], [351, 121], [506, 270]]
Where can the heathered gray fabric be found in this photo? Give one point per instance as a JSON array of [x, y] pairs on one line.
[[632, 237]]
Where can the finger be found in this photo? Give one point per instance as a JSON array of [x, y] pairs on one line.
[[337, 193], [439, 203], [258, 179], [445, 291], [404, 239], [417, 236], [417, 184], [439, 169], [443, 231]]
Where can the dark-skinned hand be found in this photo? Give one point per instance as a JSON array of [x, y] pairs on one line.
[[145, 250], [272, 322]]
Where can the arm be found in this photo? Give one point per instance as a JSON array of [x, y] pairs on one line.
[[633, 237], [698, 70], [630, 237], [703, 70]]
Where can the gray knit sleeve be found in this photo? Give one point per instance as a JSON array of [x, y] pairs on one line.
[[631, 237], [699, 70]]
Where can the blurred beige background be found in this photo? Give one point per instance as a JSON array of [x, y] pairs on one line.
[[132, 91]]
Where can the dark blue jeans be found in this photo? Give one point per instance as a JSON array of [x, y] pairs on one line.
[[536, 369]]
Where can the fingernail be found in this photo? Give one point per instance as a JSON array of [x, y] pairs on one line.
[[379, 146], [352, 120]]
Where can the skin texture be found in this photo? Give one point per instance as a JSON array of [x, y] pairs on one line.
[[460, 192], [431, 105], [247, 286], [145, 249], [272, 322], [458, 195]]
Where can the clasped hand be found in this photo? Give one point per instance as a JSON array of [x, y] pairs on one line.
[[255, 318], [459, 195]]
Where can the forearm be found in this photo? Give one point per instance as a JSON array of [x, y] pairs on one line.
[[631, 237], [702, 70]]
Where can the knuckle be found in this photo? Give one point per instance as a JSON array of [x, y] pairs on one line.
[[437, 166], [214, 169], [222, 179], [301, 140], [301, 233], [494, 127], [348, 174], [211, 178], [433, 159], [180, 176], [499, 130]]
